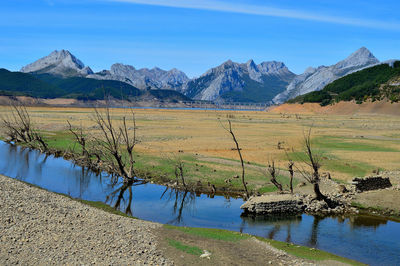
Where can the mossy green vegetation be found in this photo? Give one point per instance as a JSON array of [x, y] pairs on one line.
[[216, 234], [185, 248]]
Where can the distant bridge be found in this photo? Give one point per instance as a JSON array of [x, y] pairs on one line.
[[225, 105]]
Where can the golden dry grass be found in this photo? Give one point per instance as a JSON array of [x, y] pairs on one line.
[[347, 142]]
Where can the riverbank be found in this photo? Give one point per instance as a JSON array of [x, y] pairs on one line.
[[352, 146], [40, 227]]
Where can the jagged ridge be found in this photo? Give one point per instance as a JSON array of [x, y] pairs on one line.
[[314, 79]]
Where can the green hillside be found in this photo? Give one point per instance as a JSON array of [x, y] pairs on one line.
[[370, 83], [50, 86], [17, 83], [90, 89]]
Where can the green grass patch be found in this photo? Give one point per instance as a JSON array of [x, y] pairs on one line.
[[185, 248], [348, 144], [332, 163], [216, 234], [352, 168], [61, 140], [308, 253], [296, 250]]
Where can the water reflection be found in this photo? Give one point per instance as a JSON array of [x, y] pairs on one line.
[[123, 194], [367, 221], [181, 200], [368, 239]]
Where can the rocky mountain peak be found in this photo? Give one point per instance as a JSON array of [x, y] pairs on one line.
[[144, 78], [251, 64], [314, 79], [273, 67], [59, 63], [361, 57]]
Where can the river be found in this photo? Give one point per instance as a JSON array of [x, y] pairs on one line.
[[372, 240]]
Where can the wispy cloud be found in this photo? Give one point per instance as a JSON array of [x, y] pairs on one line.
[[262, 10]]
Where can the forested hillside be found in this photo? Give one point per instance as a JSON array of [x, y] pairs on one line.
[[52, 86], [374, 83]]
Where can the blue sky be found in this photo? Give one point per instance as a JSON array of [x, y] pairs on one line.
[[195, 35]]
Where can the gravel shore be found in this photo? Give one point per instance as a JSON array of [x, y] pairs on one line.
[[40, 227]]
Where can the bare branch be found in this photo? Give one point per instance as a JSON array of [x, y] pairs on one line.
[[229, 129]]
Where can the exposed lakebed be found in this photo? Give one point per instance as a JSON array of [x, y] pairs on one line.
[[371, 240]]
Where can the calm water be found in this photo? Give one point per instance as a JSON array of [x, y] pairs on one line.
[[367, 239]]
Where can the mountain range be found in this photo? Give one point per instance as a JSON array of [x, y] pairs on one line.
[[267, 82], [246, 82], [315, 79]]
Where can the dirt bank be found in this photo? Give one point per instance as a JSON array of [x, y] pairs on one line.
[[43, 228], [38, 227], [341, 108]]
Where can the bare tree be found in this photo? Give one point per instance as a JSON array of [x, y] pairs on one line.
[[273, 173], [80, 138], [19, 127], [291, 172], [116, 140], [313, 161], [229, 129], [179, 165]]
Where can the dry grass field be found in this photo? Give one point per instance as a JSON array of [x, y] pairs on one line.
[[350, 145]]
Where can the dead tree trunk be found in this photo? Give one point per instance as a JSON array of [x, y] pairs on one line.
[[291, 172], [116, 140], [313, 160], [179, 173], [273, 174], [80, 138], [19, 128], [229, 129]]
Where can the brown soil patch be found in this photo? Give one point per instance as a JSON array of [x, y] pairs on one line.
[[242, 252], [341, 108]]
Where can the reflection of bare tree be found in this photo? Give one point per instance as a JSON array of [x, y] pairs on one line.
[[314, 231], [182, 200], [289, 233], [84, 180], [274, 230], [118, 194]]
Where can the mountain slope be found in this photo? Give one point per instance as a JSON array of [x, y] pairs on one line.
[[52, 86], [89, 89], [377, 83], [316, 79], [144, 78], [61, 63], [240, 82], [17, 83]]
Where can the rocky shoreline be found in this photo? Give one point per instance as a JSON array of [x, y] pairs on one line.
[[339, 199], [39, 227]]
